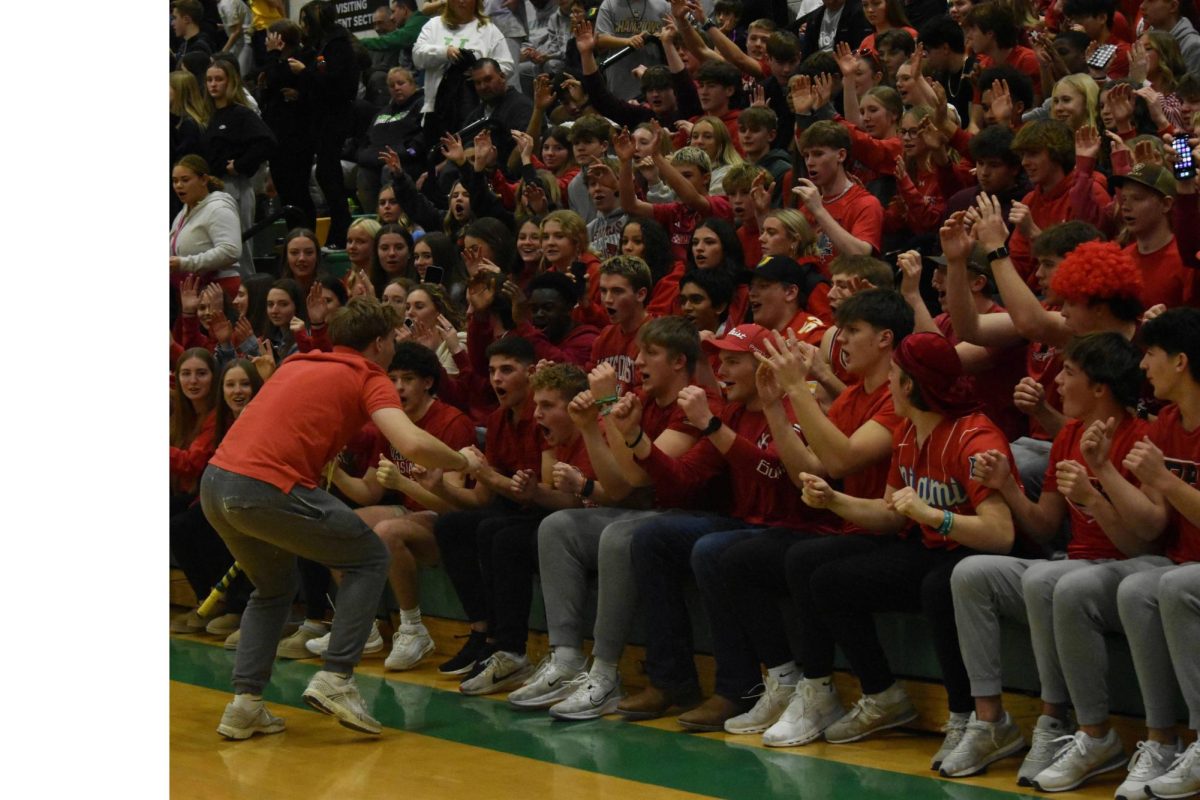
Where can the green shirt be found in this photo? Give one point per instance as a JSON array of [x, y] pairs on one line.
[[402, 38]]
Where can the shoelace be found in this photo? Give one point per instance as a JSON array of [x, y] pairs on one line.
[[1141, 763], [1043, 741], [953, 724], [866, 708], [1187, 759], [1073, 742]]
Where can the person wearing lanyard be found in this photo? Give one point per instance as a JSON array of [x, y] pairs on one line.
[[206, 234]]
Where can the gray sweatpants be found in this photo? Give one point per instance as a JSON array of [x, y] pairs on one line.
[[572, 544], [1160, 609], [1085, 608], [265, 530]]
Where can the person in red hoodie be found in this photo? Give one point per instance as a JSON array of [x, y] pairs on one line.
[[624, 287], [552, 295], [930, 483], [260, 492], [737, 446], [992, 35]]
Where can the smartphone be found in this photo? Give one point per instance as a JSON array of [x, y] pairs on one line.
[[1101, 56], [434, 274], [408, 323], [1185, 165]]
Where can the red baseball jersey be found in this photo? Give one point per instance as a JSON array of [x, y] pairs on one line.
[[940, 467]]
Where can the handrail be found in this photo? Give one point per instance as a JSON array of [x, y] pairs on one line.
[[295, 220]]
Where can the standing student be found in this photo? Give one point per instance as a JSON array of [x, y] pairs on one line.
[[260, 493]]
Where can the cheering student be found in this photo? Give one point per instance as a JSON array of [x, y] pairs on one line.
[[261, 493]]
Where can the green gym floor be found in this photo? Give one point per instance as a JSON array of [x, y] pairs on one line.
[[440, 744]]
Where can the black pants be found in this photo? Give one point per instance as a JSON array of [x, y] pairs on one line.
[[900, 576], [204, 558], [331, 133], [766, 573], [465, 545], [513, 562], [289, 172]]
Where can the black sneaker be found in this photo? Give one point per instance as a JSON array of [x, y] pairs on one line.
[[475, 651]]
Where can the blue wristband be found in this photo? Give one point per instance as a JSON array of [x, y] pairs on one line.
[[947, 523]]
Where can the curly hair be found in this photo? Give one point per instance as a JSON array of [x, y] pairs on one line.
[[1050, 135], [1096, 271]]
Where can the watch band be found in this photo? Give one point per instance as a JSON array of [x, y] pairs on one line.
[[712, 427], [998, 254]]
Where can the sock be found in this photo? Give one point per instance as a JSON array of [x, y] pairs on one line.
[[247, 701], [314, 625], [602, 668], [785, 674], [410, 617], [569, 657]]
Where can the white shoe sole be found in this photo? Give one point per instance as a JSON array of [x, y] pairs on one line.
[[401, 666], [512, 681], [326, 706], [800, 741], [609, 706], [1174, 795], [1115, 763], [988, 760], [241, 734], [542, 702], [859, 737], [744, 730]]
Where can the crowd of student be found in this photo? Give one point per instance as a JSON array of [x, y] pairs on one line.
[[889, 294]]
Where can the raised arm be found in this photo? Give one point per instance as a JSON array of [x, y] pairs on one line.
[[623, 148]]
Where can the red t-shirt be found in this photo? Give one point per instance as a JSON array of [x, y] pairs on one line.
[[514, 445], [1088, 539], [681, 220], [1164, 278], [1020, 58], [1043, 362], [837, 358], [620, 349], [859, 212], [1050, 208], [940, 468], [302, 417], [1181, 449], [442, 421], [808, 328], [656, 418], [851, 410]]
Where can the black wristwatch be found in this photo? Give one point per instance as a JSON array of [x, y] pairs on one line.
[[712, 427], [998, 254], [708, 23]]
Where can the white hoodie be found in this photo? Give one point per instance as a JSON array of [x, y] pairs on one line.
[[208, 237]]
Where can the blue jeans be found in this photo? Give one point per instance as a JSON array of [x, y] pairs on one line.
[[666, 550], [265, 529]]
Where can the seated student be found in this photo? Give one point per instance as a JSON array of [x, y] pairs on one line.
[[853, 444], [751, 191], [895, 47], [564, 250], [992, 35], [407, 528], [946, 58], [552, 296], [704, 298], [624, 288], [1158, 607], [848, 218], [929, 482], [305, 414], [1086, 600], [576, 542], [993, 371], [716, 84], [662, 86], [589, 135], [1003, 97], [513, 444], [1096, 19], [737, 450], [508, 556], [604, 229], [1098, 381], [997, 171], [1047, 151], [782, 292], [758, 129], [687, 172]]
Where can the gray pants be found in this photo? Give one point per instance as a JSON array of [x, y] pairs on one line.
[[1030, 456], [1085, 608], [572, 544], [1160, 609], [265, 530], [241, 188]]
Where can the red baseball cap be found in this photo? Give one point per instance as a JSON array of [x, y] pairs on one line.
[[742, 339]]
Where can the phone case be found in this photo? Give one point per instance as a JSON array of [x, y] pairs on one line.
[[1185, 166]]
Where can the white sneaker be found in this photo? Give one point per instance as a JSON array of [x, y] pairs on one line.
[[241, 723], [766, 712], [550, 683], [374, 644], [592, 697], [410, 643], [981, 744], [954, 729], [812, 708], [500, 671], [1079, 758], [1182, 779], [1149, 761], [1042, 748], [890, 708], [338, 696]]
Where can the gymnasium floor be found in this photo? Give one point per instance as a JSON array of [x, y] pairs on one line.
[[439, 744]]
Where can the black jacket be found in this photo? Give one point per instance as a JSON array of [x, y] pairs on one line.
[[289, 120], [335, 76], [235, 132], [852, 28], [398, 127]]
